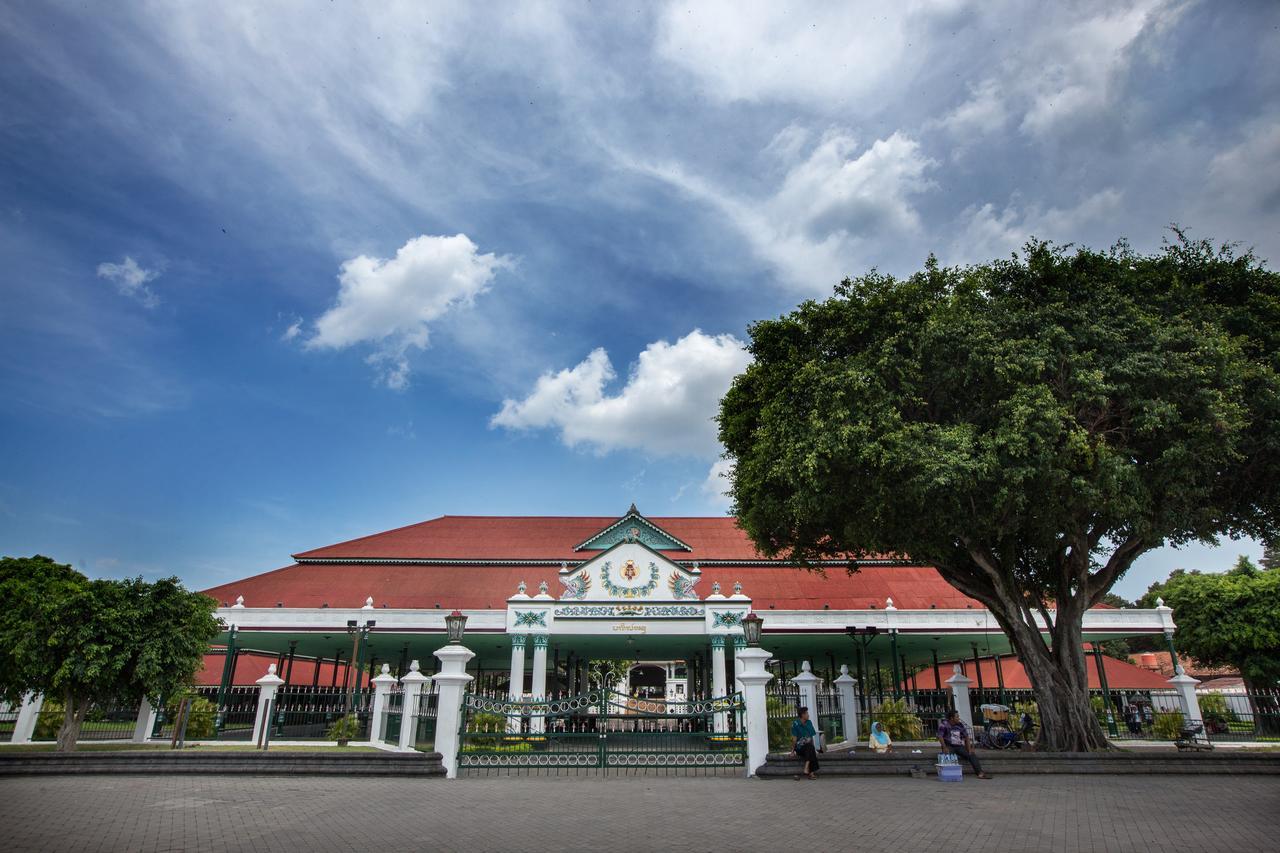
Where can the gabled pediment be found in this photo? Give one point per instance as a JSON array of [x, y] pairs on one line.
[[629, 571], [633, 527]]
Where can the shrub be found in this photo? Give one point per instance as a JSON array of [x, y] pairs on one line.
[[896, 718], [49, 720], [201, 718], [1019, 708], [777, 710], [1214, 709], [344, 728], [1168, 725], [487, 722]]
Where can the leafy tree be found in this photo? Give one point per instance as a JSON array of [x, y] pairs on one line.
[[84, 641], [1028, 426], [1270, 556], [1230, 619]]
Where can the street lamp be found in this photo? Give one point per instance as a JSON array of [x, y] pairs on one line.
[[751, 629], [454, 624], [358, 633]]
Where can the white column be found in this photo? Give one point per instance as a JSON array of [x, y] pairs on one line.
[[717, 679], [754, 677], [515, 687], [412, 683], [959, 684], [808, 684], [848, 687], [146, 721], [539, 685], [452, 681], [381, 690], [739, 644], [267, 686], [1186, 687], [25, 726]]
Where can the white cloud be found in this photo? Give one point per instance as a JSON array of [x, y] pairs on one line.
[[1247, 176], [293, 331], [666, 407], [131, 280], [984, 112], [985, 232], [817, 54], [717, 483], [831, 208], [390, 302]]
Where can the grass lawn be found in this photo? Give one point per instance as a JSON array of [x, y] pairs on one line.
[[130, 747]]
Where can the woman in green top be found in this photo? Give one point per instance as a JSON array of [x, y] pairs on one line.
[[804, 733]]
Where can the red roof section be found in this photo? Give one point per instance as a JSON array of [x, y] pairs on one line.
[[482, 537], [479, 587], [1120, 675]]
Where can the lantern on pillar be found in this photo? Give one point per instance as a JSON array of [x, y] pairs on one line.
[[454, 624], [751, 629]]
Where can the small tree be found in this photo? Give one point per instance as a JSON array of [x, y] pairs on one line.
[[1230, 619], [96, 641]]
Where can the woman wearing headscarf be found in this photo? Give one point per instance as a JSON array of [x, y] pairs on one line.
[[880, 741]]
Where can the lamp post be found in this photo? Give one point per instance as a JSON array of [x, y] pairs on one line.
[[455, 625], [359, 633], [751, 630]]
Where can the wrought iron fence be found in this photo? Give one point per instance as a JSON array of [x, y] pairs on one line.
[[8, 719], [103, 722]]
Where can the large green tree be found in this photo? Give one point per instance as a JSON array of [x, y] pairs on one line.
[[1028, 426], [85, 641], [1229, 619]]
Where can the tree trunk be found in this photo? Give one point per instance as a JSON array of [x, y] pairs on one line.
[[73, 718]]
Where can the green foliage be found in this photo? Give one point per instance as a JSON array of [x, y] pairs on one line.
[[778, 710], [1270, 556], [344, 728], [486, 722], [1020, 708], [1214, 709], [49, 720], [1230, 619], [1167, 725], [201, 718], [896, 718], [523, 746], [1029, 426], [106, 641]]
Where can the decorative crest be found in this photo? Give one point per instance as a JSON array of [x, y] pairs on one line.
[[542, 588], [521, 587]]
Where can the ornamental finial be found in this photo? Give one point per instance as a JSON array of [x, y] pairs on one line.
[[239, 601], [521, 587], [737, 587], [1159, 602], [715, 588], [542, 588]]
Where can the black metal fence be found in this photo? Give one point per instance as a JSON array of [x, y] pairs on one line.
[[103, 722]]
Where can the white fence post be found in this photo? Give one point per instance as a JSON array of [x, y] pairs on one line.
[[381, 690], [25, 726], [411, 683], [808, 683], [754, 677], [848, 685], [1186, 687], [959, 684], [146, 721], [267, 686], [452, 681]]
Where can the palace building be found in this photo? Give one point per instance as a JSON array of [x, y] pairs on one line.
[[546, 596]]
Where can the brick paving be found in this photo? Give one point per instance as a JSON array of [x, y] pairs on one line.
[[1014, 813]]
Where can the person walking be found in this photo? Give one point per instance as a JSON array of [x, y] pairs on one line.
[[803, 732], [954, 736]]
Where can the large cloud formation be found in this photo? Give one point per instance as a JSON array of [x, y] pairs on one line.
[[666, 407], [390, 302]]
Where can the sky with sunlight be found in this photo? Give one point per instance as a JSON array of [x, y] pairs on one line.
[[274, 275]]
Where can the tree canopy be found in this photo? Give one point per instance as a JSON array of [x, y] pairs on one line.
[[1229, 619], [107, 641], [1029, 426]]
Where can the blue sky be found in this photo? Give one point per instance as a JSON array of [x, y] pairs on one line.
[[277, 275]]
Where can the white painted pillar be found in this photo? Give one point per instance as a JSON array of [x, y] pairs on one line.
[[146, 721], [25, 726], [720, 721], [267, 687], [412, 683], [539, 686], [739, 644], [754, 677], [1186, 687], [452, 681], [381, 691], [959, 684], [515, 688], [808, 683], [848, 687]]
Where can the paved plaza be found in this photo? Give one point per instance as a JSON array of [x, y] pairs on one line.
[[1050, 813]]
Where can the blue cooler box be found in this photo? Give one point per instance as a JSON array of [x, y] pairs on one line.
[[949, 772]]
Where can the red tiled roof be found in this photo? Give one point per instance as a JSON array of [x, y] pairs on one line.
[[1120, 675], [474, 537], [473, 587]]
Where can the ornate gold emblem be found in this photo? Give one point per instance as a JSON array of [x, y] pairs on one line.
[[629, 570]]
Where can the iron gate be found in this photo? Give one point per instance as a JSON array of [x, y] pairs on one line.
[[600, 730]]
